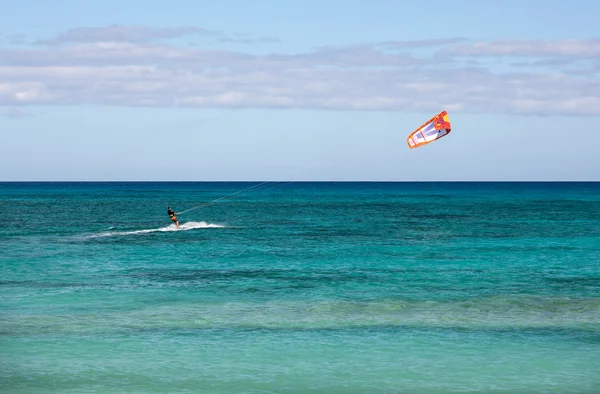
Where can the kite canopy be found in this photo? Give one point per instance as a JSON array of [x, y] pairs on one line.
[[432, 130]]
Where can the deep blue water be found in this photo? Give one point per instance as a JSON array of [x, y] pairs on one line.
[[300, 288]]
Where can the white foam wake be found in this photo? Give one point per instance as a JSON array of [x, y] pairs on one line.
[[172, 227]]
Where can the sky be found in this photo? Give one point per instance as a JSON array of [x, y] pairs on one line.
[[329, 90]]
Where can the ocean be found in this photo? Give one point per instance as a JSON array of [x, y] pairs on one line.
[[324, 287]]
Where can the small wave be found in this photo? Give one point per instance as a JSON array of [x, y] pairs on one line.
[[172, 227]]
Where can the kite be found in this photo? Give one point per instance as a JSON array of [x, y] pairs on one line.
[[432, 130]]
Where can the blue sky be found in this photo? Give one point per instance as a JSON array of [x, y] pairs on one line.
[[311, 90]]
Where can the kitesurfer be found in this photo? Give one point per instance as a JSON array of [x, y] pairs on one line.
[[172, 216]]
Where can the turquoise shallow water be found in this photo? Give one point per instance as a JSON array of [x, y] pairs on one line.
[[300, 288]]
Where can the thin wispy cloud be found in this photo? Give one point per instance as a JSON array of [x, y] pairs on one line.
[[13, 39], [128, 67], [144, 34], [14, 113], [530, 48], [244, 38], [132, 34], [421, 43]]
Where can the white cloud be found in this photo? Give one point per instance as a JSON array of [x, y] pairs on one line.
[[20, 93], [380, 76]]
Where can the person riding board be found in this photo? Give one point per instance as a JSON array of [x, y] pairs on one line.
[[172, 216]]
